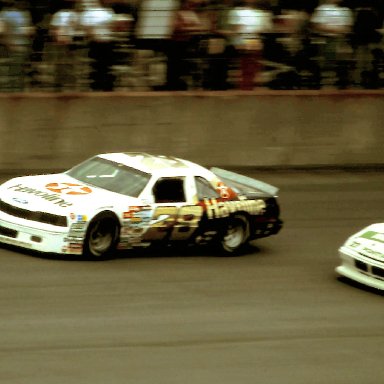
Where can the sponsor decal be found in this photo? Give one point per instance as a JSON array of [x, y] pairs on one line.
[[131, 212], [52, 197], [355, 244], [68, 188], [20, 201], [77, 230], [136, 219], [372, 235], [225, 191], [79, 218], [138, 214], [78, 226], [371, 253], [218, 210], [73, 248]]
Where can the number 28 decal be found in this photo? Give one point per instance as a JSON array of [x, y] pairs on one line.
[[178, 222]]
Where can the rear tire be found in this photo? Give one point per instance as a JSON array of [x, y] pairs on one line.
[[102, 236], [235, 235]]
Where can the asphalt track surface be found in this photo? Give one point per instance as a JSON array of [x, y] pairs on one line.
[[276, 315]]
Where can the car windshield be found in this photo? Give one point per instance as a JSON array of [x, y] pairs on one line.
[[111, 176]]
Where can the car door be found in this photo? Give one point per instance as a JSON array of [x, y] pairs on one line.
[[176, 215]]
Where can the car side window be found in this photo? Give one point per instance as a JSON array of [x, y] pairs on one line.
[[205, 189], [169, 190]]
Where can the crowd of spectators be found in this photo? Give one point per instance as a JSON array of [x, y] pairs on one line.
[[107, 45]]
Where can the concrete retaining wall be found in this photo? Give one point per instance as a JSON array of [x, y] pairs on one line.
[[256, 129]]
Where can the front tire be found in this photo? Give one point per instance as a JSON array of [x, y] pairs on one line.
[[235, 235], [101, 238]]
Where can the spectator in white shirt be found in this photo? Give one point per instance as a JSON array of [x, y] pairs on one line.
[[332, 23], [98, 21], [64, 28], [249, 23], [17, 31]]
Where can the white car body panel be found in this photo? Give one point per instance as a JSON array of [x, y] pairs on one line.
[[48, 239], [362, 257], [30, 193]]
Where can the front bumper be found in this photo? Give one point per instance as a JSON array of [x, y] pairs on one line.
[[36, 236], [362, 269]]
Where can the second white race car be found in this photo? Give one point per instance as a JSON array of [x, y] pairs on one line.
[[125, 200], [362, 257]]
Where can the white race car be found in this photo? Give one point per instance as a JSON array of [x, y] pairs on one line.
[[126, 200], [362, 257]]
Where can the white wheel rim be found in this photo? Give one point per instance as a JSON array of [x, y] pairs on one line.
[[234, 237]]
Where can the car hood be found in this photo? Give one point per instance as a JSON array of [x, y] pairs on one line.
[[59, 194], [369, 242]]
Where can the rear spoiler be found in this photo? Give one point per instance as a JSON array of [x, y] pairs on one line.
[[246, 181]]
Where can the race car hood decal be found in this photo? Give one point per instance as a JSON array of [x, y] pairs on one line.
[[369, 242], [58, 193]]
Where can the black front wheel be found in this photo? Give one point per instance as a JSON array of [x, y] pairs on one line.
[[101, 238]]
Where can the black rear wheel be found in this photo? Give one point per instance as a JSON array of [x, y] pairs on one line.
[[235, 235]]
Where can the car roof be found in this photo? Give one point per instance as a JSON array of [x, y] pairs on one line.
[[157, 164]]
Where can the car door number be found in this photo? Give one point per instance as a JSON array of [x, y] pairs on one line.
[[178, 223]]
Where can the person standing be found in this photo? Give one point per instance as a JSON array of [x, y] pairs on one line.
[[250, 22], [189, 25], [17, 33], [332, 24], [97, 20], [366, 39], [63, 30], [219, 50]]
